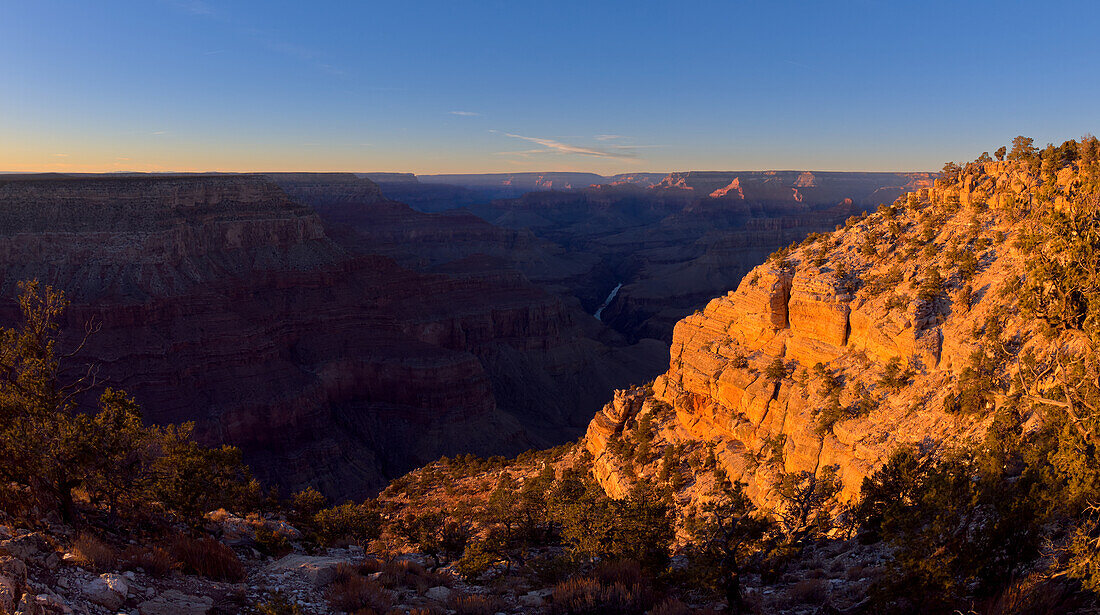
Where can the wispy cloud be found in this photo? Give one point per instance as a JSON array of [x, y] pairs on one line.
[[270, 40], [554, 146], [62, 155], [609, 137], [464, 113], [159, 132]]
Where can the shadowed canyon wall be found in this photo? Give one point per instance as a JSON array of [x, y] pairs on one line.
[[221, 300]]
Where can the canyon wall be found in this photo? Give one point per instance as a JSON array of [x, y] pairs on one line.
[[220, 300], [752, 375], [678, 242]]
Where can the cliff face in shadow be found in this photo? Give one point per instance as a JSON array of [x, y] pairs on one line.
[[222, 301], [550, 383]]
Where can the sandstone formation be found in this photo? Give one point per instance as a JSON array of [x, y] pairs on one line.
[[834, 312]]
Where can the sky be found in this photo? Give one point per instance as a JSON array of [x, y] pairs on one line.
[[518, 85]]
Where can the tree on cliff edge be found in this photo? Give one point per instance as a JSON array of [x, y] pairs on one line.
[[51, 446]]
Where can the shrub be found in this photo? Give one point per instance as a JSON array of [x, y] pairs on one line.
[[93, 553], [968, 264], [354, 593], [434, 535], [776, 370], [278, 604], [577, 596], [370, 566], [894, 377], [876, 285], [897, 301], [270, 542], [305, 504], [192, 480], [639, 526], [931, 287], [348, 522], [153, 560], [208, 558]]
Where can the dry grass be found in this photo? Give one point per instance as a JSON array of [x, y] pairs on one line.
[[370, 566], [155, 561], [475, 604], [424, 610], [587, 596], [403, 573], [93, 553], [357, 594], [1033, 596], [672, 606], [577, 595], [627, 572], [208, 558], [810, 591]]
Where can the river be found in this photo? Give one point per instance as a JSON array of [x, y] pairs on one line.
[[607, 302]]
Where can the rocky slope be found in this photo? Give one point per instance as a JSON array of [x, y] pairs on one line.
[[792, 370]]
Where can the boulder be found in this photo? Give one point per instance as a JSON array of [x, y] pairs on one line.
[[24, 547], [107, 590], [13, 568], [319, 571], [10, 592], [439, 594], [42, 604], [531, 600]]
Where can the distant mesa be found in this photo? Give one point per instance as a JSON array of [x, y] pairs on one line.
[[390, 178]]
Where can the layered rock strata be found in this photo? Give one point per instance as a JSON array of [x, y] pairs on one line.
[[221, 301], [752, 374]]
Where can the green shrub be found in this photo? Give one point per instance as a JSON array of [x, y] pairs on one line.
[[348, 523]]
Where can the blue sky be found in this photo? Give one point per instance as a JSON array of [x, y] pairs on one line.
[[525, 86]]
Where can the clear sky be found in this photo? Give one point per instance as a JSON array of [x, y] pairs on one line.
[[518, 85]]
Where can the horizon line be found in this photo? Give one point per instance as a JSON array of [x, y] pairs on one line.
[[415, 174]]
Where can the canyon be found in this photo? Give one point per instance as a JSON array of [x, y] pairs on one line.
[[341, 338], [219, 300], [675, 243], [751, 374]]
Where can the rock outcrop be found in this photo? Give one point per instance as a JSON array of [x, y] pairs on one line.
[[751, 374]]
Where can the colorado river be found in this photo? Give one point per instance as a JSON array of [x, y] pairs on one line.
[[607, 302]]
